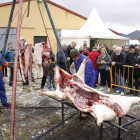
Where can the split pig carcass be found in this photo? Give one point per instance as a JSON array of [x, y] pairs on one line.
[[25, 57], [103, 107], [40, 52]]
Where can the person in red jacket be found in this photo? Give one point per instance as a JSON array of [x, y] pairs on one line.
[[94, 56]]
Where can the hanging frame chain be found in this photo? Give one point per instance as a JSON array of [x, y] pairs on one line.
[[43, 23], [28, 8]]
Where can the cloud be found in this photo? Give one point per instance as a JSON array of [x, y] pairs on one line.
[[118, 13]]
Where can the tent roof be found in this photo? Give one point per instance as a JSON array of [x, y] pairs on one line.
[[95, 28]]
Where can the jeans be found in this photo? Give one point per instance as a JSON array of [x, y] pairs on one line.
[[50, 79], [11, 74], [105, 76], [2, 90], [120, 82], [96, 76], [43, 81]]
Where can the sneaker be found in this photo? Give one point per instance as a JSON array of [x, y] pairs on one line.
[[6, 105], [122, 93], [130, 93], [101, 88], [117, 91], [42, 87], [108, 90]]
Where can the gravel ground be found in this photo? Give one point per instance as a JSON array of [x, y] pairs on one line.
[[35, 115]]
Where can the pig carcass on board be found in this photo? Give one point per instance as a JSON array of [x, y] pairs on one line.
[[103, 107], [40, 51], [25, 57]]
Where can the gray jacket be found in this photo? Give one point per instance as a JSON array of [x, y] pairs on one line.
[[107, 59]]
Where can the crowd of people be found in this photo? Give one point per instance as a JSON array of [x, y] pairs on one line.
[[100, 61]]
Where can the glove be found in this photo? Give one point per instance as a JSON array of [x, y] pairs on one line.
[[0, 68], [6, 64]]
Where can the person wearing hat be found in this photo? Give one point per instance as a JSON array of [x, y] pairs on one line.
[[94, 56], [89, 71], [131, 59]]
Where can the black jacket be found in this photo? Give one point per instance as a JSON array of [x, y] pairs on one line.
[[68, 54], [109, 51], [60, 60], [131, 59]]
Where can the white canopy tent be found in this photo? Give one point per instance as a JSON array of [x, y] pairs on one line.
[[134, 42], [94, 30]]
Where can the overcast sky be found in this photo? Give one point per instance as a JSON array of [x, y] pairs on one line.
[[120, 15]]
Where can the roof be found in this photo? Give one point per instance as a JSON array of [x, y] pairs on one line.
[[94, 27], [59, 6], [53, 3]]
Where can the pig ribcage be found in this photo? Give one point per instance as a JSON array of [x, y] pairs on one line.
[[82, 95]]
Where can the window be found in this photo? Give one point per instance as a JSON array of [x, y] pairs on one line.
[[38, 39]]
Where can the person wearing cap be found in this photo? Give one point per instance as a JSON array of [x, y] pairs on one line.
[[94, 56], [2, 85], [60, 60], [131, 59], [89, 71]]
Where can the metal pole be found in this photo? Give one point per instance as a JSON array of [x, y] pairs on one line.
[[119, 130], [7, 32], [15, 71], [58, 41]]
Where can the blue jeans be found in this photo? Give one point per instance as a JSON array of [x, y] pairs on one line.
[[96, 76], [11, 74], [50, 79], [2, 90], [120, 82]]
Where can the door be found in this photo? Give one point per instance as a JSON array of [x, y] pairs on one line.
[[92, 44]]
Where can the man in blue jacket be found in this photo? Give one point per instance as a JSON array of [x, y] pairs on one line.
[[89, 71], [9, 57], [2, 86]]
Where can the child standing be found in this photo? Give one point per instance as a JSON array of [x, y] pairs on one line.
[[50, 75]]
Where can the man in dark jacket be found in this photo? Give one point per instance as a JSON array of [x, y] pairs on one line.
[[72, 46], [119, 61], [131, 59], [108, 51], [9, 57], [60, 60]]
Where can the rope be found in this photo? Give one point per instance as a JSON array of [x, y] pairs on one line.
[[28, 8], [43, 23]]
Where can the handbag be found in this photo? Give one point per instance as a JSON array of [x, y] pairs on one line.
[[107, 68]]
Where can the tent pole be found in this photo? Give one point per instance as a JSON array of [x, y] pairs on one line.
[[15, 71]]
